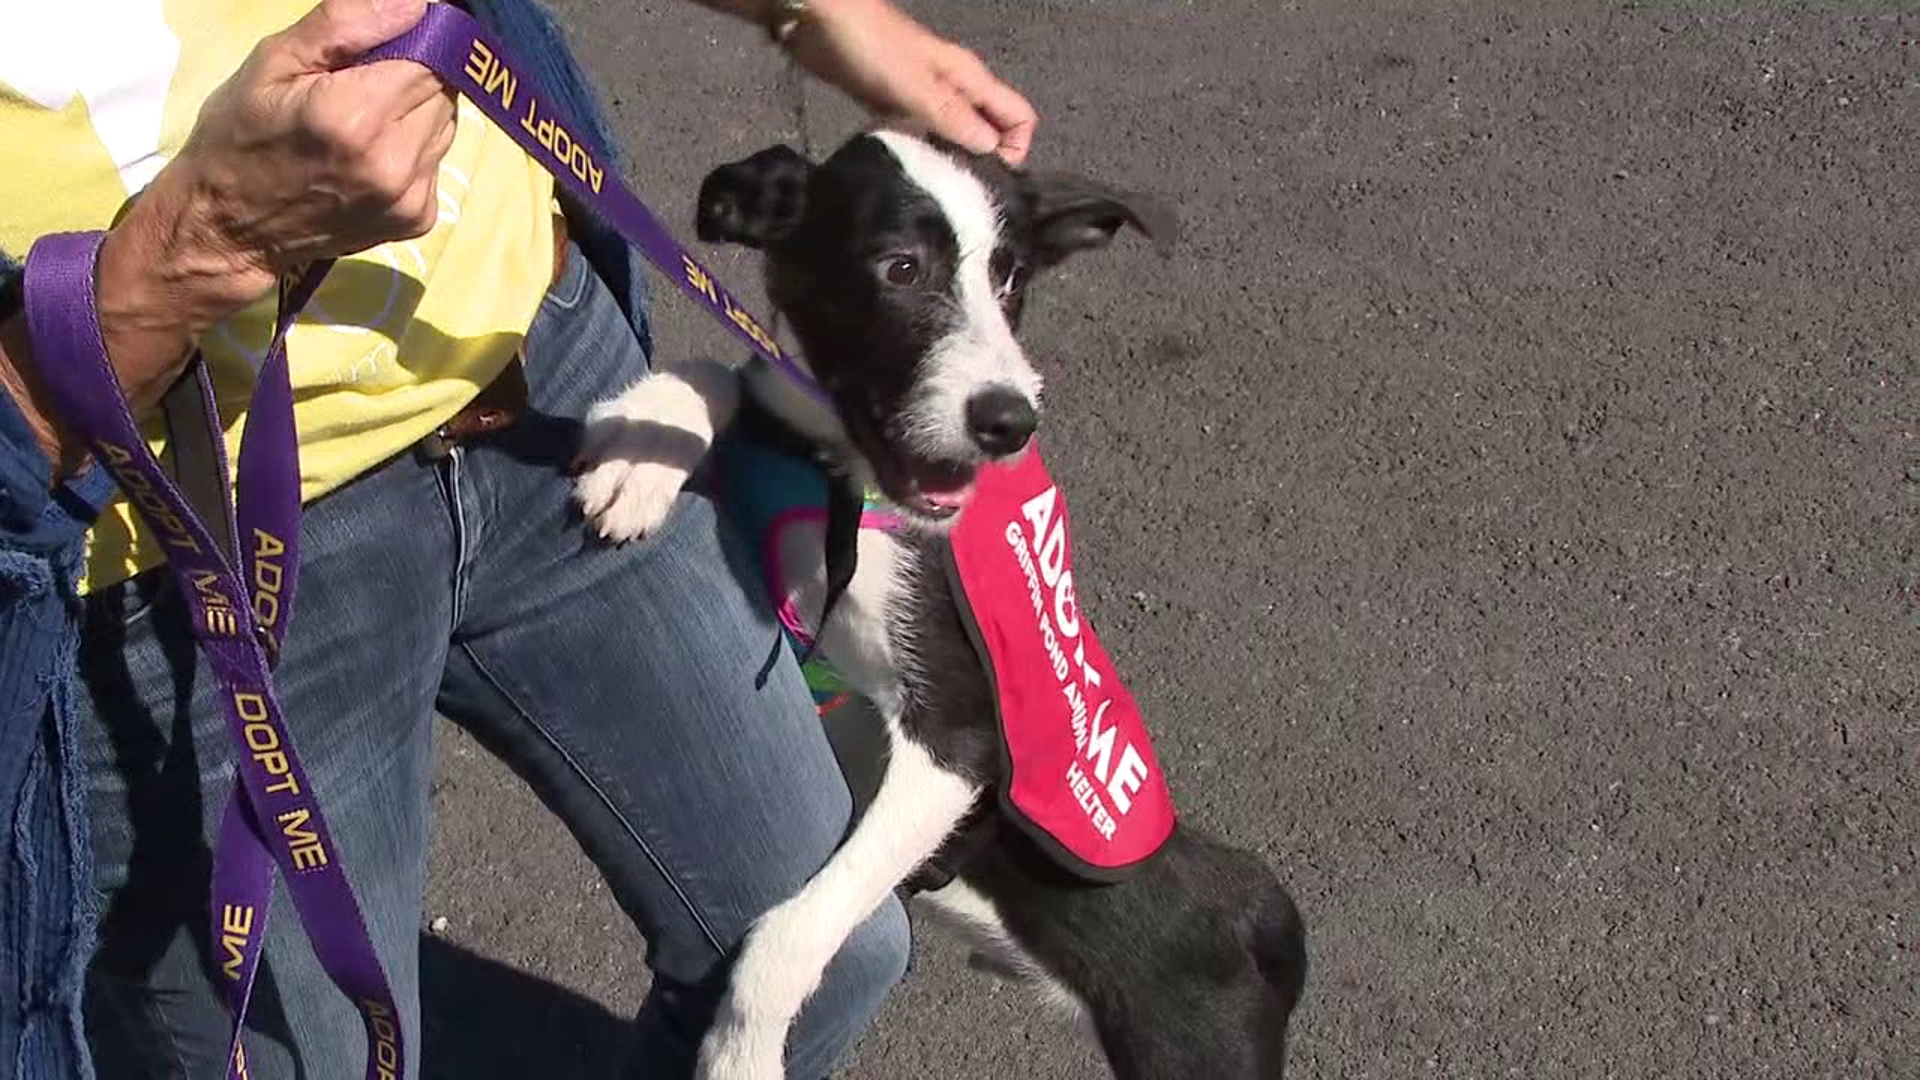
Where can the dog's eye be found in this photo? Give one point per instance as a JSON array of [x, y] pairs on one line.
[[901, 270]]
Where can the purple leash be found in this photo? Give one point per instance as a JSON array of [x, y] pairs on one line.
[[239, 581], [474, 62], [239, 592]]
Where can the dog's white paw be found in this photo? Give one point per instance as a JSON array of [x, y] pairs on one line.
[[740, 1051], [628, 499], [635, 456]]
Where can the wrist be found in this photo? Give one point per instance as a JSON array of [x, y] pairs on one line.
[[792, 23], [166, 274], [168, 268], [783, 18], [162, 278]]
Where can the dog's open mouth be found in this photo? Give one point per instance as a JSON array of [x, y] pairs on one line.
[[935, 489]]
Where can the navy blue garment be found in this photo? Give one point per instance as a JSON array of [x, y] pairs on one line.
[[46, 889]]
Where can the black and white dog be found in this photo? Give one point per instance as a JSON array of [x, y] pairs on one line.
[[902, 265]]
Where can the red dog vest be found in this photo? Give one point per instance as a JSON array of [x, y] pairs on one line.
[[1081, 777]]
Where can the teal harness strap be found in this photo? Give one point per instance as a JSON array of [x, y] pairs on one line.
[[767, 492]]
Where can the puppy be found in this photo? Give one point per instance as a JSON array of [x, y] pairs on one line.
[[901, 266]]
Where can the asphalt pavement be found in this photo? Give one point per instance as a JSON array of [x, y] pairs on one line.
[[1504, 505]]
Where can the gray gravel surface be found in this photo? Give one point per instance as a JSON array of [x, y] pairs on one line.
[[1504, 505]]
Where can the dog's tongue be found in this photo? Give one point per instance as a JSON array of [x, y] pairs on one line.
[[951, 498]]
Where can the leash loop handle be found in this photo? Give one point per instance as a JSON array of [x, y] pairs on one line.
[[239, 589]]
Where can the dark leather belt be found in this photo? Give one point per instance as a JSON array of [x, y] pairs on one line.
[[498, 404]]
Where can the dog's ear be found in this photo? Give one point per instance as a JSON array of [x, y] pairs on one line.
[[755, 202], [1072, 214]]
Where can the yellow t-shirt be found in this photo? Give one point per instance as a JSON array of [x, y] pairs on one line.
[[96, 97]]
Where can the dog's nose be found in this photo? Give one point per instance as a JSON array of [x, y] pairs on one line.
[[1001, 421]]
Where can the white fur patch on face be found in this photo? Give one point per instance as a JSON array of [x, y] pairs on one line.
[[981, 353]]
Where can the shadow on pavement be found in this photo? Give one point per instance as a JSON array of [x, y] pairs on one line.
[[482, 1020]]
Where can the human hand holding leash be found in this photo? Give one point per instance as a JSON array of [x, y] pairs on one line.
[[302, 155], [299, 156]]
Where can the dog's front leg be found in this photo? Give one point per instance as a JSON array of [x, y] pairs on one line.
[[917, 807], [640, 447]]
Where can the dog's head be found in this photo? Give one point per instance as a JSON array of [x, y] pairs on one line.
[[902, 265]]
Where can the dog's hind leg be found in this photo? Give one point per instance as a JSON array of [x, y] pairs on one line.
[[917, 807]]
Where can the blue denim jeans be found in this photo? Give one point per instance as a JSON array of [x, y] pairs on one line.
[[635, 689]]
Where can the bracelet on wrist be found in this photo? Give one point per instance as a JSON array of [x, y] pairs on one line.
[[783, 18]]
